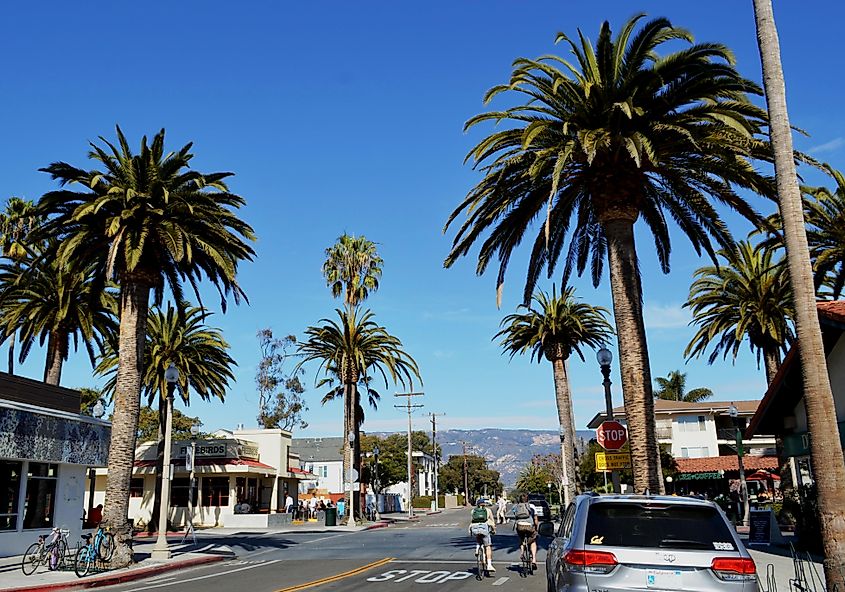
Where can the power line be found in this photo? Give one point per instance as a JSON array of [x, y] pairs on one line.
[[409, 406]]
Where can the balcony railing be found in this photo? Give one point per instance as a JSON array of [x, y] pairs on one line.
[[664, 433]]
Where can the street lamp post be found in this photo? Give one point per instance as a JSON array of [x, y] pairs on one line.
[[669, 481], [351, 479], [376, 484], [740, 452], [605, 357], [191, 501], [162, 550]]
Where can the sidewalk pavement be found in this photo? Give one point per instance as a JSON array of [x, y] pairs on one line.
[[776, 567], [65, 579]]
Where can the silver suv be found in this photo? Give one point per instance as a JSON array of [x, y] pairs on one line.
[[612, 543]]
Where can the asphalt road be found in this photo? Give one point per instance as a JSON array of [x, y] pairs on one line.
[[435, 552]]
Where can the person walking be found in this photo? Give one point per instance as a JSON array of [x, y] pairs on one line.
[[501, 505], [288, 504]]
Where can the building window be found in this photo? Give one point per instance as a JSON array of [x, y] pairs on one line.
[[323, 471], [179, 492], [10, 477], [40, 495], [136, 487], [695, 452], [693, 423], [215, 491]]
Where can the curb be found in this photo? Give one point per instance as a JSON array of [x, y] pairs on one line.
[[119, 578], [149, 535], [377, 525]]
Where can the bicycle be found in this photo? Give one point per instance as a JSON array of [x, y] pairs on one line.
[[50, 552], [480, 558], [526, 565], [102, 548]]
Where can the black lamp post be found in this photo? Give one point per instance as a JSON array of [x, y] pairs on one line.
[[605, 357], [740, 452]]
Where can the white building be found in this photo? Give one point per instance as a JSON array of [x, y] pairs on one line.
[[46, 447], [254, 466], [324, 458], [425, 470]]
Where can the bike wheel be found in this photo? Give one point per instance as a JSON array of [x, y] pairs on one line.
[[31, 559], [61, 547], [84, 561], [105, 547], [53, 557], [480, 563]]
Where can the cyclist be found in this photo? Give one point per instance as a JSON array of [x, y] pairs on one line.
[[525, 515], [483, 525]]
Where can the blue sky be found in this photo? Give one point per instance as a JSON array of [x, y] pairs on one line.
[[339, 116]]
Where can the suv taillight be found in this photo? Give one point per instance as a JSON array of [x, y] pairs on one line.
[[595, 562], [734, 568]]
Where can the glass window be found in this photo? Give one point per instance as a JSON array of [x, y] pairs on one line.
[[40, 495], [695, 452], [10, 477], [179, 492], [136, 487], [215, 491], [692, 423], [656, 526]]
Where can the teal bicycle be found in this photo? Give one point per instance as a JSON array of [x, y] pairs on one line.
[[101, 548]]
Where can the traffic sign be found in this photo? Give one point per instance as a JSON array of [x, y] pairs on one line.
[[612, 461], [352, 476], [611, 435]]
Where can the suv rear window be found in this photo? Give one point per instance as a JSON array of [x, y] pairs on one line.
[[657, 525]]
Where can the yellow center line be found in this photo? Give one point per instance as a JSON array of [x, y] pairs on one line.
[[340, 576]]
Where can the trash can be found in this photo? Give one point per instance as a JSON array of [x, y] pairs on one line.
[[331, 516]]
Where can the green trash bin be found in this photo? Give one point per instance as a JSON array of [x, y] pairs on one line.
[[331, 516]]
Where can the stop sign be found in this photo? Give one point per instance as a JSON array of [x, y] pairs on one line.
[[611, 435]]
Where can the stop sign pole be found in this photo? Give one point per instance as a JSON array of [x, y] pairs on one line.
[[605, 357]]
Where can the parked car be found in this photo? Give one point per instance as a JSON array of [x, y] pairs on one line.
[[634, 542]]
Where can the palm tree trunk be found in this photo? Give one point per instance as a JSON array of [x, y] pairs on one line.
[[12, 352], [827, 457], [772, 361], [56, 353], [347, 429], [134, 303], [633, 354], [152, 526], [563, 398]]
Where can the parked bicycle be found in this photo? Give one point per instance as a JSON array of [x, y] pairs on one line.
[[50, 550], [101, 548]]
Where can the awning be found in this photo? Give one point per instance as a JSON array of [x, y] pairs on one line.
[[210, 466]]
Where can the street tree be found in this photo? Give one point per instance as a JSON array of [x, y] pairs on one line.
[[148, 429], [646, 125], [281, 404], [88, 398], [552, 328], [825, 445], [533, 478], [746, 296], [393, 457], [674, 388], [480, 479], [145, 221]]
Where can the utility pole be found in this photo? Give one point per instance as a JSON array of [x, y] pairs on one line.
[[408, 399], [466, 479], [434, 417]]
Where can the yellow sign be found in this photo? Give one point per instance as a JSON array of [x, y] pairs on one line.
[[612, 461]]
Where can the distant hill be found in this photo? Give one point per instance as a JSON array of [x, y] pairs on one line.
[[506, 451]]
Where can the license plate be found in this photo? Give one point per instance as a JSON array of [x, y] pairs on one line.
[[664, 579]]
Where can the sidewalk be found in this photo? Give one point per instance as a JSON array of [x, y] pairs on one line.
[[776, 567], [44, 580]]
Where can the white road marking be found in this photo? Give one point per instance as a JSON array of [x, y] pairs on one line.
[[501, 581], [452, 561], [205, 577]]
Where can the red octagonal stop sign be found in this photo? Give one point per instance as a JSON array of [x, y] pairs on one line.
[[611, 435]]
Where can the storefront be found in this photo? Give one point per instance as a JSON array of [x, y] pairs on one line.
[[241, 479], [46, 447]]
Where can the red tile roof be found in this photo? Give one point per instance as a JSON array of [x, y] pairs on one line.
[[710, 464], [834, 310]]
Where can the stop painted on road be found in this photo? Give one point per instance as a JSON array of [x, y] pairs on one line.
[[420, 576]]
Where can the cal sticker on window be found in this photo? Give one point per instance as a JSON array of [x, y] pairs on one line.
[[723, 546], [597, 540]]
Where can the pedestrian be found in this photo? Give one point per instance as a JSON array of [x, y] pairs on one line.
[[288, 504], [500, 510], [312, 506], [341, 507]]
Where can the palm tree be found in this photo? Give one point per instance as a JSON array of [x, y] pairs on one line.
[[353, 350], [553, 328], [145, 221], [198, 351], [47, 301], [828, 460], [747, 296], [621, 134], [674, 388], [16, 225], [352, 269], [824, 214]]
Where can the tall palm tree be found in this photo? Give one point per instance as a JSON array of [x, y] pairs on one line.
[[49, 302], [199, 352], [552, 328], [621, 133], [353, 350], [747, 296], [674, 388], [352, 269], [145, 221], [828, 460], [824, 215], [17, 223]]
